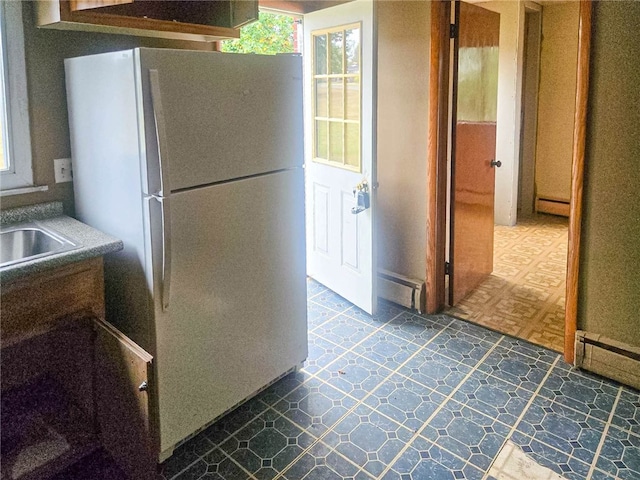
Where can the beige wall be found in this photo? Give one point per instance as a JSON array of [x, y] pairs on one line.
[[403, 69], [609, 301], [556, 105], [45, 51]]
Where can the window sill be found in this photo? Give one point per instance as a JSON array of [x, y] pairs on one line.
[[20, 191]]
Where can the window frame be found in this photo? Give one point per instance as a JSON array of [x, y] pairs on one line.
[[16, 111], [344, 76]]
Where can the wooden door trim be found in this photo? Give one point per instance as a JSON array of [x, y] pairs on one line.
[[577, 179], [437, 154]]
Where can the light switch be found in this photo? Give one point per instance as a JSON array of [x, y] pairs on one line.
[[62, 167]]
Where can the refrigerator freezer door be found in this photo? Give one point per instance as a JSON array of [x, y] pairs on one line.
[[236, 316], [224, 116]]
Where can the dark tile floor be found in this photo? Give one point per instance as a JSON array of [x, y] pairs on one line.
[[406, 396]]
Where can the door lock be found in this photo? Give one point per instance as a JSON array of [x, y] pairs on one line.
[[496, 164]]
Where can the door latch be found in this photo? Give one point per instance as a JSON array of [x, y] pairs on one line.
[[497, 164], [144, 386]]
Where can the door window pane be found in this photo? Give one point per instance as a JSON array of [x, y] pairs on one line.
[[337, 96], [352, 50], [336, 51], [321, 97], [336, 141], [336, 106], [352, 144], [352, 98], [320, 60], [321, 138]]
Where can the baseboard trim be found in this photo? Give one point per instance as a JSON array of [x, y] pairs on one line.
[[405, 291], [553, 206], [609, 358]]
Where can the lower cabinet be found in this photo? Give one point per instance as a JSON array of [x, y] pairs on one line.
[[123, 382], [71, 383]]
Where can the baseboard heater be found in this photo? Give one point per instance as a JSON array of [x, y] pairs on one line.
[[553, 206], [405, 291], [609, 358]]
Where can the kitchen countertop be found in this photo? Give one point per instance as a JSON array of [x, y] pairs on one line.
[[91, 242]]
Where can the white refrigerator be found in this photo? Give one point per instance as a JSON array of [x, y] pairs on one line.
[[194, 160]]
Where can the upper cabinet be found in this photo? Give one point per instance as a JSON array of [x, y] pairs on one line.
[[195, 20]]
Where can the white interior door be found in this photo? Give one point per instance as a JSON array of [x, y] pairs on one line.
[[339, 63]]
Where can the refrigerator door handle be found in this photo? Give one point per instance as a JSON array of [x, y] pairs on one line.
[[166, 252], [161, 136]]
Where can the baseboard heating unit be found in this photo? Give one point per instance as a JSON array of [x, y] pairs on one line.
[[405, 291], [609, 358]]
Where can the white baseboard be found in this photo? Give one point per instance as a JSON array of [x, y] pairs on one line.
[[405, 291]]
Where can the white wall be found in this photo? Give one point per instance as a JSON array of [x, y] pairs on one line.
[[403, 89], [510, 70]]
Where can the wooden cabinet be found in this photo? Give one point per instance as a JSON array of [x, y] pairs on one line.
[[195, 20], [71, 382]]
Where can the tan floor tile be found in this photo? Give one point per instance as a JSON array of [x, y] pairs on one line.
[[524, 296]]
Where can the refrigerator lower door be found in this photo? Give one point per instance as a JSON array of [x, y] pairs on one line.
[[234, 315]]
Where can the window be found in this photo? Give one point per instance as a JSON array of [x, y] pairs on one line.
[[336, 97], [15, 158]]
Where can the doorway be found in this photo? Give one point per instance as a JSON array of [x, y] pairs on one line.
[[524, 295]]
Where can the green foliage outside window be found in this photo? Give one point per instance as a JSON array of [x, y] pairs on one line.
[[271, 34]]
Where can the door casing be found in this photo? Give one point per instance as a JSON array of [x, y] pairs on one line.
[[437, 164]]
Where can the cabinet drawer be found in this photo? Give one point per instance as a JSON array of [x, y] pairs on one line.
[[39, 301]]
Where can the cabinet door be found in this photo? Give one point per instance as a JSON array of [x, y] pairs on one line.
[[122, 387], [243, 12], [76, 5]]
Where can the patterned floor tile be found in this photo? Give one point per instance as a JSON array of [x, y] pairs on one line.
[[386, 349], [405, 401], [314, 288], [461, 347], [524, 296], [599, 475], [267, 445], [185, 455], [368, 439], [547, 456], [515, 368], [221, 467], [385, 312], [332, 300], [627, 414], [283, 387], [424, 460], [567, 430], [493, 397], [354, 375], [476, 331], [620, 454], [322, 463], [419, 329], [435, 371], [321, 353], [317, 315], [529, 349], [315, 406], [580, 391], [344, 331], [471, 435]]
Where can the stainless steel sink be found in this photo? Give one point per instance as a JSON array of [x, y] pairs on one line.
[[29, 241]]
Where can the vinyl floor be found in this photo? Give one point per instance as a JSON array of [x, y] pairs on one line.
[[402, 396], [525, 294]]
